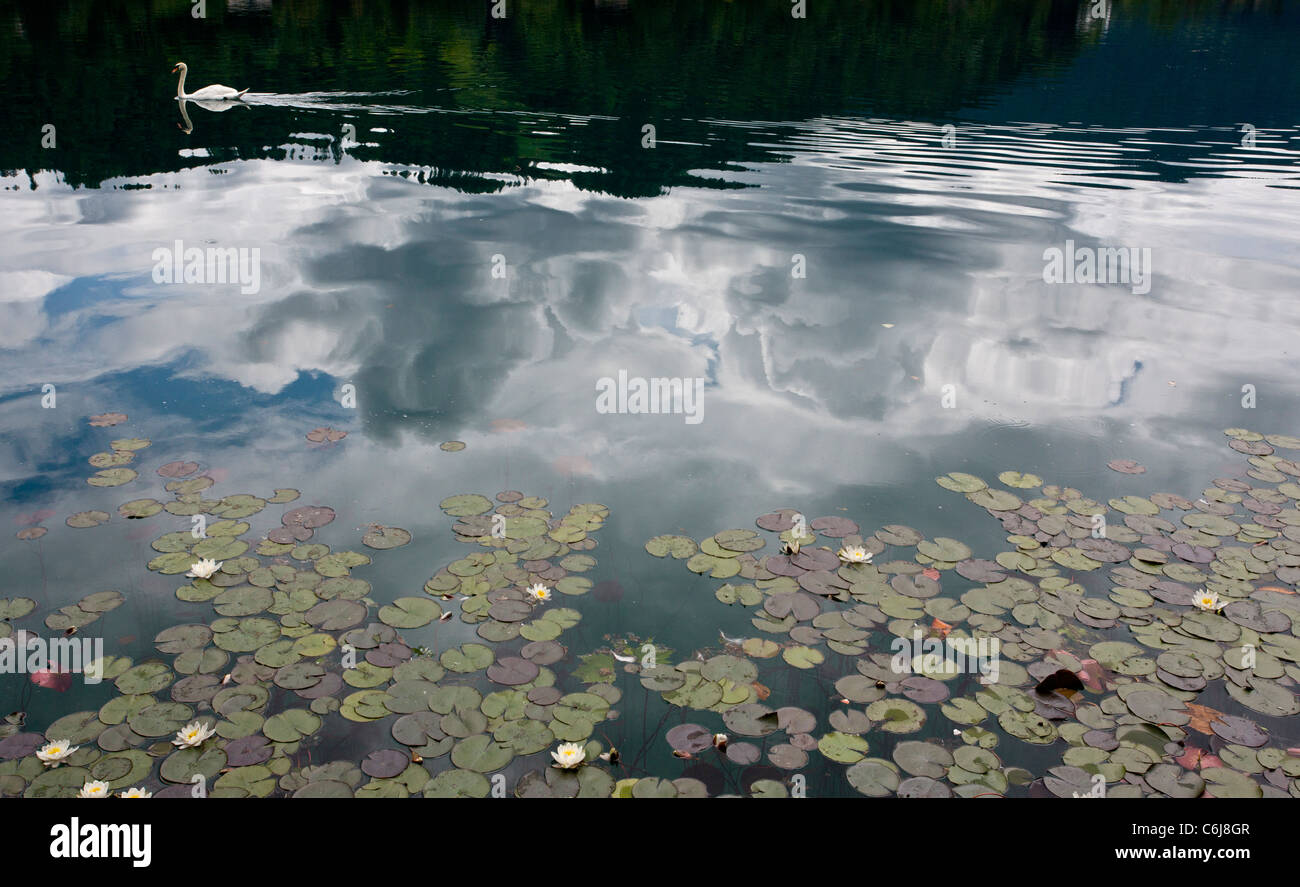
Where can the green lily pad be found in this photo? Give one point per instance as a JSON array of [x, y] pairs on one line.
[[1074, 559], [147, 677], [386, 537], [57, 782], [84, 519], [960, 482], [291, 725], [182, 765], [77, 728], [162, 719], [1224, 783], [679, 547], [873, 777], [1029, 726], [340, 562], [465, 505], [996, 500], [1019, 480], [458, 783], [803, 657], [944, 549], [140, 508], [410, 612], [897, 715], [923, 758], [255, 780], [467, 658], [123, 769], [242, 600], [111, 477], [245, 635], [846, 748], [481, 754]]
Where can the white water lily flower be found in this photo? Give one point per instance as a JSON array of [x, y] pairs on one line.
[[53, 753], [135, 793], [854, 554], [193, 734], [1208, 600], [96, 789], [539, 592], [569, 755], [204, 568]]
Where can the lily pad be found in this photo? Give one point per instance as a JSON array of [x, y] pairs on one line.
[[410, 612], [874, 777], [111, 477], [386, 537]]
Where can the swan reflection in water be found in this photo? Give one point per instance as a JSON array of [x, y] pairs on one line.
[[188, 127]]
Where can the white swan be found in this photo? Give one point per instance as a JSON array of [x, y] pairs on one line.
[[215, 92]]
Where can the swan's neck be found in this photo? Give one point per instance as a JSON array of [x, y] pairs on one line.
[[180, 87]]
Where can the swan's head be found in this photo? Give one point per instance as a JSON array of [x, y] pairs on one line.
[[180, 66]]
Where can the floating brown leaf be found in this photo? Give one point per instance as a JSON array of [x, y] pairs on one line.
[[1202, 717]]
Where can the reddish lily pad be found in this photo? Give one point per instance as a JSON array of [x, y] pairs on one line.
[[385, 763]]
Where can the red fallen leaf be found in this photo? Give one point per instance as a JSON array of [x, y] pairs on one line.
[[1092, 675], [34, 518], [53, 680], [325, 435], [762, 691], [1188, 759], [942, 627], [579, 465], [930, 573], [1210, 761]]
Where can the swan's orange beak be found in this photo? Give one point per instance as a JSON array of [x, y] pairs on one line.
[[175, 69]]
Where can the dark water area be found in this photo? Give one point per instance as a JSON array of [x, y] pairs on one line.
[[840, 225]]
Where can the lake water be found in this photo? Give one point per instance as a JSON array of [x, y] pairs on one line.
[[836, 229]]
